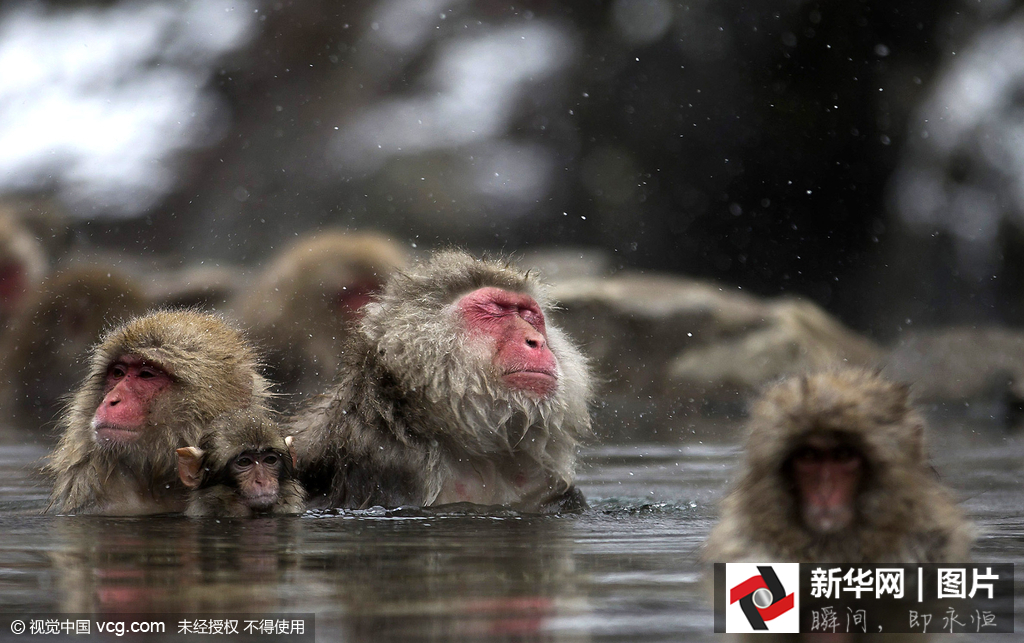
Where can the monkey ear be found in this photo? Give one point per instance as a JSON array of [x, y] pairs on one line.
[[190, 460], [288, 443]]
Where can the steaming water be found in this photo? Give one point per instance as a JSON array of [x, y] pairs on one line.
[[623, 571]]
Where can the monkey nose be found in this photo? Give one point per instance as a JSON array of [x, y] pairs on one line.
[[534, 339]]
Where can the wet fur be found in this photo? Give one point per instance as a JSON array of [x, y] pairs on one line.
[[904, 514], [213, 370], [413, 405], [226, 439]]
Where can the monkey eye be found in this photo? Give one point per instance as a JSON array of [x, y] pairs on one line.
[[533, 316], [496, 309], [270, 459], [146, 373], [807, 455], [118, 371], [244, 462]]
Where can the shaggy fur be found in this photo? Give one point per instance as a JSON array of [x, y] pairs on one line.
[[230, 436], [213, 371], [413, 405], [904, 515]]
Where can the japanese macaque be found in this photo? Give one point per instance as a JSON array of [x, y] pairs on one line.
[[301, 307], [243, 466], [22, 262], [454, 388], [837, 472], [46, 344], [154, 385]]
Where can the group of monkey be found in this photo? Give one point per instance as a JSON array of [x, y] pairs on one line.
[[452, 388], [451, 385]]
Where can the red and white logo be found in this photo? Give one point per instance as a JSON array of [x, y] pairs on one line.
[[762, 597]]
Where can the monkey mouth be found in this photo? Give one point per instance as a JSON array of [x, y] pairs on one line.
[[539, 381], [261, 502], [114, 434]]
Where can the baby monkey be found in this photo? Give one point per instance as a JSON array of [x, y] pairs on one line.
[[242, 467]]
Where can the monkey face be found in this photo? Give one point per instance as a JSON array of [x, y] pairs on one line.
[[130, 389], [256, 475], [511, 326], [826, 472]]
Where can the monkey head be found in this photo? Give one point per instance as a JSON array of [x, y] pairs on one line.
[[331, 272], [823, 446], [836, 471], [163, 374], [470, 341], [242, 462]]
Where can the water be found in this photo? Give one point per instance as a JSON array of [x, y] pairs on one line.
[[623, 571]]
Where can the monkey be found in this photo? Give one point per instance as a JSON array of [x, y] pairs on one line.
[[836, 471], [454, 388], [299, 310], [242, 467], [45, 344], [23, 261], [154, 384]]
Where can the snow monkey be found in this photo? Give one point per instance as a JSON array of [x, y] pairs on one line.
[[243, 466], [154, 384], [836, 471], [454, 388]]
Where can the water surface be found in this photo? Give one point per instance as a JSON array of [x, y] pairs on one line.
[[625, 570]]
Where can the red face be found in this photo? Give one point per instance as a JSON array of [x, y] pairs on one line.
[[514, 325], [132, 385], [827, 477]]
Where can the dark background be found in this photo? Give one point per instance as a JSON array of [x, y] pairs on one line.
[[765, 145]]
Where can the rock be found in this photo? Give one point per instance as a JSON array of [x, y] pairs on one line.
[[797, 337], [689, 341], [961, 364]]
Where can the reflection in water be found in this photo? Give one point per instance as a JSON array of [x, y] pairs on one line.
[[169, 564], [440, 575], [624, 570]]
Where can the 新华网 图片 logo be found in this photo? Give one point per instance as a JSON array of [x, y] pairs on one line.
[[762, 597]]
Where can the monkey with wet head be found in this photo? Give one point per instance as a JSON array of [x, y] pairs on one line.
[[154, 385], [837, 472], [455, 388], [242, 467]]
